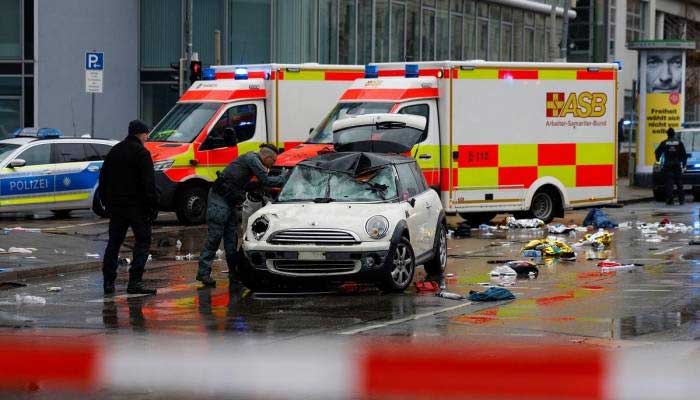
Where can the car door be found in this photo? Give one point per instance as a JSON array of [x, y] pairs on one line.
[[30, 186], [75, 176], [428, 199], [416, 214], [247, 120]]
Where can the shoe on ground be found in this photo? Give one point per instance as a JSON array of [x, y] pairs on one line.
[[206, 280], [108, 288], [138, 288]]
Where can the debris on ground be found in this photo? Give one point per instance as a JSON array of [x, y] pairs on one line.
[[11, 285], [503, 275], [609, 265], [559, 229], [531, 223], [20, 229], [463, 230], [599, 240], [449, 295], [532, 253], [549, 247], [26, 299], [187, 257], [54, 289], [92, 255], [450, 277], [178, 245], [524, 268], [427, 286], [598, 219], [491, 294], [19, 250]]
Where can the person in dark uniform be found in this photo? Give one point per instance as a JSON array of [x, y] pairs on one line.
[[226, 196], [674, 161], [128, 191]]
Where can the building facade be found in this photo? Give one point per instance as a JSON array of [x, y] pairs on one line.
[[43, 45]]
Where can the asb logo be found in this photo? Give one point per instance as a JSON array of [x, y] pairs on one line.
[[579, 105]]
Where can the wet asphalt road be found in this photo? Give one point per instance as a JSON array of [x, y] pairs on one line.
[[659, 301]]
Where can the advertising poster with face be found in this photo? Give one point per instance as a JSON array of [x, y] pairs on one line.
[[662, 78]]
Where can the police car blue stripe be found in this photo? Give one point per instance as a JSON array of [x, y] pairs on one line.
[[83, 180]]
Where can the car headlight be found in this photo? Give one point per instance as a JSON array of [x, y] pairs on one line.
[[161, 165], [377, 227], [259, 227]]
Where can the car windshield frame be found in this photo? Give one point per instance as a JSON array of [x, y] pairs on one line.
[[6, 149], [323, 133], [184, 122], [318, 185]]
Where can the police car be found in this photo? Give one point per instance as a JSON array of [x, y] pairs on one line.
[[42, 171]]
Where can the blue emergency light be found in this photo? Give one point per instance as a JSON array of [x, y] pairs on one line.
[[619, 64], [412, 71], [240, 73], [208, 74], [41, 133], [371, 71]]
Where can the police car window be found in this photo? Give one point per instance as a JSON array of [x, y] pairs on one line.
[[409, 186], [243, 119], [6, 149], [96, 152], [420, 178], [37, 155], [69, 152]]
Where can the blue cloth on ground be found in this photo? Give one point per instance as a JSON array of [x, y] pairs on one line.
[[599, 219], [491, 294]]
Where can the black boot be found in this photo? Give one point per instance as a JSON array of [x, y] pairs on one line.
[[136, 287], [206, 280], [108, 287]]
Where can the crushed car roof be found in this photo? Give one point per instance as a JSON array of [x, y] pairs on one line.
[[354, 163]]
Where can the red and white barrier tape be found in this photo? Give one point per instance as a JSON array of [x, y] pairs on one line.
[[355, 369]]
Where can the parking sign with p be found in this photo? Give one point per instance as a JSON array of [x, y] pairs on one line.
[[94, 61]]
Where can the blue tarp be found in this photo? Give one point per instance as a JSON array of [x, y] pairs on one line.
[[491, 294], [599, 219]]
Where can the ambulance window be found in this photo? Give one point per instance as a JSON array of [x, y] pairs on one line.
[[243, 118], [69, 152], [416, 109], [409, 186], [215, 140], [37, 155]]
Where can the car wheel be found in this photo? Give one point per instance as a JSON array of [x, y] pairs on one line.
[[476, 219], [436, 265], [401, 268], [61, 213], [660, 194], [191, 206], [544, 205]]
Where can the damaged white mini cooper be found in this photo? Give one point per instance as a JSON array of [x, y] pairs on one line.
[[351, 215]]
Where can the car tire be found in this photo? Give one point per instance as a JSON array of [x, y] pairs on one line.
[[436, 266], [660, 194], [476, 219], [191, 206], [544, 205], [61, 213], [400, 269]]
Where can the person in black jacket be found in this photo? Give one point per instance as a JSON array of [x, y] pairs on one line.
[[225, 197], [128, 191], [674, 161]]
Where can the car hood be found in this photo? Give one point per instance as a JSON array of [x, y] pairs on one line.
[[346, 216], [293, 156]]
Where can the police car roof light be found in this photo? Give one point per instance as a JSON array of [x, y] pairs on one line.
[[371, 71], [619, 64], [208, 74], [240, 73], [40, 133], [412, 71]]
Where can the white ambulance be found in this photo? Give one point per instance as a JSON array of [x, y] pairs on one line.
[[527, 138], [231, 112]]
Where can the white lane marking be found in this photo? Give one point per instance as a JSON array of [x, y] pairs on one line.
[[402, 320], [648, 290], [74, 225], [658, 253]]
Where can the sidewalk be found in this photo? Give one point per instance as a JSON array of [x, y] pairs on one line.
[[630, 195]]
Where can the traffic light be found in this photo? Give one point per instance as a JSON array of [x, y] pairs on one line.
[[195, 71], [175, 75]]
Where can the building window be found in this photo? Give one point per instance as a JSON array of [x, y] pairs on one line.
[[506, 34], [482, 32], [10, 30], [469, 29], [636, 10], [328, 31], [161, 33], [208, 16], [428, 33], [456, 30], [156, 101], [611, 29], [539, 37], [364, 32], [494, 33], [397, 37], [249, 36], [581, 31], [518, 26], [529, 37], [442, 30], [347, 31]]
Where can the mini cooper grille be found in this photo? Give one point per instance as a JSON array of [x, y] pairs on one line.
[[313, 236], [303, 267]]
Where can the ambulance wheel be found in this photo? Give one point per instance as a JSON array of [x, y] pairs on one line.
[[191, 206], [544, 205], [476, 219], [61, 213]]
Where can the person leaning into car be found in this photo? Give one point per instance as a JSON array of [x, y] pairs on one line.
[[226, 195]]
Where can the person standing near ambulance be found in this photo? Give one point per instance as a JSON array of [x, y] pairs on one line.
[[226, 196], [127, 189], [674, 161]]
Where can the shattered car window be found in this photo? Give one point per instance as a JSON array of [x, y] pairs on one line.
[[312, 184], [405, 136], [324, 132]]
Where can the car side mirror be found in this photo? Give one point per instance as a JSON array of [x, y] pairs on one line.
[[412, 202], [17, 162], [230, 138]]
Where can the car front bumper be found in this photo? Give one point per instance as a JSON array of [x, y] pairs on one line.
[[366, 258]]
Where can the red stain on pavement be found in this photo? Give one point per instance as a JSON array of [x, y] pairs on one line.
[[481, 317], [592, 287], [545, 301]]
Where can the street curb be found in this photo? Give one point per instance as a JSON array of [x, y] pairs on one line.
[[635, 201], [14, 274]]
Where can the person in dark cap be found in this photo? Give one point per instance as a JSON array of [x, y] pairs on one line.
[[673, 157], [127, 190]]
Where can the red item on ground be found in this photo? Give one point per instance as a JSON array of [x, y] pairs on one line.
[[427, 286], [608, 263], [665, 221]]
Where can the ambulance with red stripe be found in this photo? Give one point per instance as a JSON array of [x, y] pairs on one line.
[[532, 139], [232, 111]]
